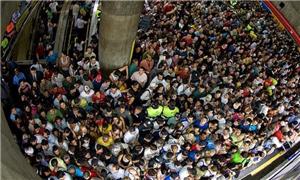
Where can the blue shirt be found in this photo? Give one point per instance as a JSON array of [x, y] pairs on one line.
[[18, 78], [192, 155], [13, 116], [210, 145], [201, 127], [253, 128], [78, 172], [52, 58]]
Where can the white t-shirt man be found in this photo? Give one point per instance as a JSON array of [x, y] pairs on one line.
[[183, 173], [80, 23], [140, 76], [117, 174], [156, 81], [87, 94], [116, 95], [130, 137]]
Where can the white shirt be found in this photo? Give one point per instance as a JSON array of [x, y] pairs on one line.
[[79, 46], [130, 137], [94, 66], [39, 138], [224, 100], [75, 9], [184, 89], [115, 95], [77, 127], [183, 173], [80, 23], [49, 126], [53, 6], [276, 141], [38, 67], [141, 79], [146, 95], [87, 95], [264, 109], [119, 174], [57, 79], [148, 153], [157, 82]]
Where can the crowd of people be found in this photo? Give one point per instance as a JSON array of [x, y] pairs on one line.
[[212, 89]]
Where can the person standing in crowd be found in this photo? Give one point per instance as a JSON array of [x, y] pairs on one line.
[[80, 27]]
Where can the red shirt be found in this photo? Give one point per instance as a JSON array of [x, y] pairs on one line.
[[168, 7], [92, 172], [187, 40], [184, 74], [279, 135], [98, 99], [40, 50], [48, 75], [268, 82], [246, 92]]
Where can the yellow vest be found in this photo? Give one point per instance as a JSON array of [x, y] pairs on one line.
[[168, 113], [154, 112]]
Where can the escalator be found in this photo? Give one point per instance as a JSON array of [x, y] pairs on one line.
[[289, 169], [67, 33], [75, 36], [63, 28], [16, 28]]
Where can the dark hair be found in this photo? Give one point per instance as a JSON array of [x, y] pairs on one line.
[[60, 174], [54, 162], [44, 142], [55, 148]]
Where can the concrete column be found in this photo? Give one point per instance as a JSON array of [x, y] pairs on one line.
[[118, 27]]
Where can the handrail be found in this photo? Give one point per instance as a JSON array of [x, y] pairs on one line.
[[61, 28], [34, 33], [70, 35], [87, 35], [7, 52], [29, 62], [93, 21]]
